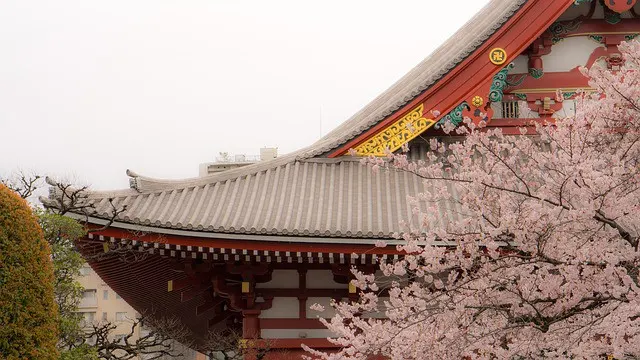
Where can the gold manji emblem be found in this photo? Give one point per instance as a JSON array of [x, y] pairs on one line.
[[498, 56]]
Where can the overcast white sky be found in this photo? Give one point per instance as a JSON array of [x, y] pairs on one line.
[[91, 88]]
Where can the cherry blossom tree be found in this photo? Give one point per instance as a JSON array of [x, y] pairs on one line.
[[537, 254]]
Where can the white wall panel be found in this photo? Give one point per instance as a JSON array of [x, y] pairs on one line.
[[521, 65], [569, 53], [322, 279], [282, 307], [568, 109], [281, 279], [328, 310]]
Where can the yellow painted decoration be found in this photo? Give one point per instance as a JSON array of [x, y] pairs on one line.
[[245, 287], [477, 101], [170, 286], [105, 247], [395, 135], [352, 288], [498, 56]]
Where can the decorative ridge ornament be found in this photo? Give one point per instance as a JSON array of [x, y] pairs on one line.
[[393, 137]]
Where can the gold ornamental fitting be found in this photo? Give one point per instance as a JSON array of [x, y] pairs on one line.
[[498, 56]]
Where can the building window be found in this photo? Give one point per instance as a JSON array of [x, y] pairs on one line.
[[88, 318], [118, 296], [89, 294], [88, 298], [104, 316], [121, 316], [510, 110], [105, 294]]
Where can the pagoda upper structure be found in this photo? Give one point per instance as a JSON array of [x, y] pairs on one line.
[[252, 248]]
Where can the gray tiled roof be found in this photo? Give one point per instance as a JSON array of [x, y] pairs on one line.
[[315, 197], [304, 193]]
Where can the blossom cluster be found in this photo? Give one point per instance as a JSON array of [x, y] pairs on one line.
[[528, 247]]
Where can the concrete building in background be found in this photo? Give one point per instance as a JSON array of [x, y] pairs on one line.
[[225, 161], [101, 304]]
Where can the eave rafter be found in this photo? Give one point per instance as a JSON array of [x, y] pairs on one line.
[[467, 89]]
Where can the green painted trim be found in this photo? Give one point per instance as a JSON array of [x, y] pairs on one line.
[[455, 116], [499, 83], [596, 38], [561, 28], [536, 73]]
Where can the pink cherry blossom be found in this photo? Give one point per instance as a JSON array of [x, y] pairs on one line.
[[534, 252]]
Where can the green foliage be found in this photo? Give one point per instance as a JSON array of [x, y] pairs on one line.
[[61, 232], [73, 341], [28, 313]]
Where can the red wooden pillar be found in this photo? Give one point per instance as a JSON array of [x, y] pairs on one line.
[[302, 296], [250, 324]]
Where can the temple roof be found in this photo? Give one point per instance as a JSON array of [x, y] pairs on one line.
[[453, 51], [304, 193], [313, 197]]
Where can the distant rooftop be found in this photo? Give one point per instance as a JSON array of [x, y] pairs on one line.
[[225, 161]]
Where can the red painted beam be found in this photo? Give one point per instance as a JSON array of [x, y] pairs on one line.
[[248, 244], [284, 323], [502, 123], [342, 293], [601, 27], [296, 343]]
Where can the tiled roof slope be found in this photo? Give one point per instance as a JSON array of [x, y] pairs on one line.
[[304, 193], [315, 197]]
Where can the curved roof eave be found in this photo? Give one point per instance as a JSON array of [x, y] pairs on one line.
[[226, 236]]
